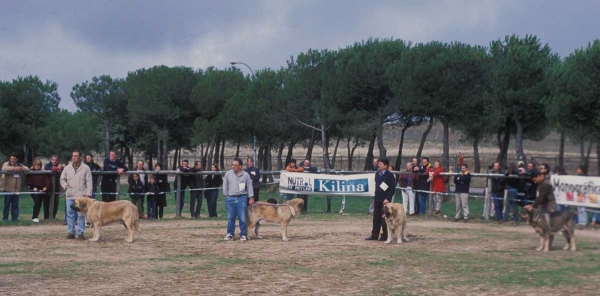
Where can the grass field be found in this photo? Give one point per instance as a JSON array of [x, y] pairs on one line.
[[326, 255]]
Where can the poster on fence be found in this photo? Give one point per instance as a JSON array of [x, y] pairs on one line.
[[321, 184], [577, 190]]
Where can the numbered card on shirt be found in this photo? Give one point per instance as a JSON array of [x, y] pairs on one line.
[[242, 186], [384, 186], [16, 176], [253, 173]]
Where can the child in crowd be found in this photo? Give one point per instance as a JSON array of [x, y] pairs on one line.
[[152, 191]]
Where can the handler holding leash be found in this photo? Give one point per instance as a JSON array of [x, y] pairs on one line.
[[237, 185], [385, 186]]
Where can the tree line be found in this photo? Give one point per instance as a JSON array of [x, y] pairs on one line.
[[514, 89]]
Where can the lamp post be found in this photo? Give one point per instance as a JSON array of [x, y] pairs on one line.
[[233, 63]]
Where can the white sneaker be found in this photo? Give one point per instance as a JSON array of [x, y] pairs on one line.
[[243, 238], [36, 220], [228, 237]]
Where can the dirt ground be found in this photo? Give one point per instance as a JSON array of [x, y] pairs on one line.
[[325, 255]]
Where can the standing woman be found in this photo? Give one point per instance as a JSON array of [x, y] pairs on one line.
[[213, 182], [41, 184], [439, 186], [163, 185], [136, 193]]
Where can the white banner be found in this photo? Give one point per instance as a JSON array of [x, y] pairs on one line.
[[577, 190], [322, 184]]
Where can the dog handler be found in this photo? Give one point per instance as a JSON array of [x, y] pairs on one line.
[[237, 184], [385, 186], [76, 178]]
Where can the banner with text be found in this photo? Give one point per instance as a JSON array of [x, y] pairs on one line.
[[577, 190], [321, 184]]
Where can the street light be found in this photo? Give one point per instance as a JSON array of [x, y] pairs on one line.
[[233, 63]]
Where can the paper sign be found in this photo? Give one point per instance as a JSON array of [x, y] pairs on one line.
[[16, 176], [242, 186], [253, 173], [384, 186]]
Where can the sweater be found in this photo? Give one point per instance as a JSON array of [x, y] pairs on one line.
[[462, 182], [79, 181]]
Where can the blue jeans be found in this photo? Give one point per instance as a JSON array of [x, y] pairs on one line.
[[289, 196], [152, 208], [582, 216], [211, 201], [511, 203], [181, 199], [423, 197], [236, 206], [596, 218], [73, 216], [11, 202], [498, 204]]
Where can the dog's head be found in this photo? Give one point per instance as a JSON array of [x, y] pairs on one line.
[[297, 204], [388, 210], [81, 204], [527, 216]]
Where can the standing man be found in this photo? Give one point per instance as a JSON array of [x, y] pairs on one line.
[[385, 186], [76, 178], [545, 200], [56, 168], [237, 185], [109, 182], [94, 167], [144, 179], [307, 169], [197, 185], [254, 173], [407, 181], [374, 168], [462, 183], [422, 184], [185, 182], [415, 168], [12, 185], [498, 187]]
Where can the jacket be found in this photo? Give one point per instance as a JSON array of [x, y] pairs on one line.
[[214, 181], [162, 181], [13, 181], [39, 181], [408, 180], [136, 186], [545, 199], [462, 182], [422, 183], [197, 180], [94, 167], [185, 179], [388, 179], [512, 182], [498, 184], [254, 173], [79, 181], [438, 180], [297, 169], [112, 166], [310, 169], [154, 189]]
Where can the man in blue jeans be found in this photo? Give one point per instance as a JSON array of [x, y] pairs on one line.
[[237, 185], [76, 179], [498, 187]]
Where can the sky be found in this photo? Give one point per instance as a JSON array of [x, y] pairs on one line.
[[70, 42]]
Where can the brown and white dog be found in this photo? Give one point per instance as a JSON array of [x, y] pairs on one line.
[[100, 213], [395, 218], [274, 213]]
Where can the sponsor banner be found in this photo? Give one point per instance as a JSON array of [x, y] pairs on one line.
[[577, 190], [321, 184]]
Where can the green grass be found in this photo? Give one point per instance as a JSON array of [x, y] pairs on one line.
[[317, 207]]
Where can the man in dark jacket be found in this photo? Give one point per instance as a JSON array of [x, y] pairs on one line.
[[498, 187], [463, 184], [57, 169], [197, 185], [109, 182], [185, 182], [385, 187], [94, 167], [254, 173], [422, 185]]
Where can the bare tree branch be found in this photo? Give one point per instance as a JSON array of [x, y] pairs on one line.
[[308, 125]]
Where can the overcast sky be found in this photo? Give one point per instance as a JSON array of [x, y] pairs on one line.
[[71, 41]]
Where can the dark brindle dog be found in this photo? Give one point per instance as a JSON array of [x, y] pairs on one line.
[[548, 224]]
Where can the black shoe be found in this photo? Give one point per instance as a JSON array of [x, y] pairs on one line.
[[370, 238], [81, 237], [383, 239], [70, 236]]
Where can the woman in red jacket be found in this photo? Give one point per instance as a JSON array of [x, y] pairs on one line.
[[41, 184], [438, 185]]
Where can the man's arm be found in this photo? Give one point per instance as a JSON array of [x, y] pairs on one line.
[[250, 190], [225, 185], [7, 168], [63, 180], [88, 182], [390, 181]]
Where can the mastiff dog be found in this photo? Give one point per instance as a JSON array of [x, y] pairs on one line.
[[548, 224], [395, 218], [100, 213], [274, 213]]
